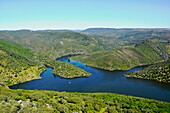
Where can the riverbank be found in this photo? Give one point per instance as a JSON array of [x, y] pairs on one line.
[[32, 73], [66, 70], [106, 69], [159, 72], [146, 53], [100, 81]]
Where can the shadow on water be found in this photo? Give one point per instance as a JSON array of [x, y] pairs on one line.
[[99, 81]]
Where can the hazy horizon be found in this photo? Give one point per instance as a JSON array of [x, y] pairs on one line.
[[77, 29]]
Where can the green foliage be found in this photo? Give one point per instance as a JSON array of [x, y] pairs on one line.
[[158, 72], [52, 101], [17, 64], [148, 52], [66, 70], [46, 46], [49, 45], [53, 44], [20, 64]]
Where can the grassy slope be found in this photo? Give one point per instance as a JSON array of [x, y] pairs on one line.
[[145, 53], [52, 101], [158, 72]]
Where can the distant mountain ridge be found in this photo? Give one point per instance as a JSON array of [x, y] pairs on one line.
[[137, 29], [128, 36], [104, 31]]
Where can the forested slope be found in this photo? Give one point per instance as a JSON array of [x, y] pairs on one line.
[[158, 72], [148, 52], [45, 46], [53, 44], [17, 64]]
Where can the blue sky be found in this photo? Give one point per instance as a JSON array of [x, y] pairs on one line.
[[81, 14]]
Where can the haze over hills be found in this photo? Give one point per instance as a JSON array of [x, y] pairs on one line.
[[125, 35], [128, 32]]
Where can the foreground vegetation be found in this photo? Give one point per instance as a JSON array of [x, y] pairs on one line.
[[125, 58], [158, 72], [27, 101]]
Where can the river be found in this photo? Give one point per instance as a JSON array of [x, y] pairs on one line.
[[99, 81]]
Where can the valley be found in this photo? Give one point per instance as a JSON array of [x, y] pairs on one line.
[[94, 60], [99, 81]]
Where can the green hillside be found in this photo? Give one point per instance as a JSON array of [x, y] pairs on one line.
[[17, 64], [148, 52], [158, 72], [40, 48], [45, 46], [27, 101], [53, 44]]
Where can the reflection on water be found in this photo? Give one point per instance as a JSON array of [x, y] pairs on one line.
[[100, 81]]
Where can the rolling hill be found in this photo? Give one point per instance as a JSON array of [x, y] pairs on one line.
[[125, 58]]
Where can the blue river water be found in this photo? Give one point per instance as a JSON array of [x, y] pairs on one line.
[[99, 81]]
